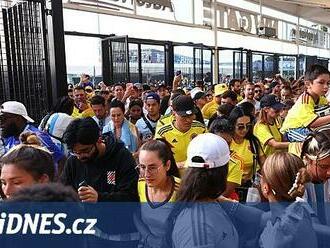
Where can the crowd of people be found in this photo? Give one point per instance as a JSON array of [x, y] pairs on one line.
[[192, 158]]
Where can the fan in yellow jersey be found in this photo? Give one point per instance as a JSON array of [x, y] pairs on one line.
[[221, 126], [157, 188], [266, 129], [82, 108], [246, 146], [210, 108], [182, 129], [302, 117]]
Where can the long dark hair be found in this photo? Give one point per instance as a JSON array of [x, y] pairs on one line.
[[197, 184], [238, 112], [163, 148]]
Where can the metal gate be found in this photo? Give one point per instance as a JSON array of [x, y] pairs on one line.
[[24, 73], [115, 60]]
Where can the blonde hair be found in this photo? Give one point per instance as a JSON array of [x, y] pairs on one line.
[[286, 175]]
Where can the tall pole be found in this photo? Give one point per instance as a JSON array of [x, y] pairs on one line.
[[215, 32]]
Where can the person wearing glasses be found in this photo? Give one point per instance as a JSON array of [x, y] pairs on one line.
[[258, 91], [266, 129], [157, 187], [246, 146], [99, 168]]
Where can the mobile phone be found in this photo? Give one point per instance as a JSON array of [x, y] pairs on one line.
[[177, 73], [83, 184]]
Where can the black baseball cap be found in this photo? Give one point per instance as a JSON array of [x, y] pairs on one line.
[[184, 105], [271, 101]]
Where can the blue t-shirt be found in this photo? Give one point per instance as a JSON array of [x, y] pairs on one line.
[[43, 137], [204, 225]]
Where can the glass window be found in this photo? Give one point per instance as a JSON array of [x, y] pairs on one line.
[[153, 64], [207, 65], [268, 66], [83, 55], [184, 62], [287, 66], [257, 67], [226, 68], [133, 62]]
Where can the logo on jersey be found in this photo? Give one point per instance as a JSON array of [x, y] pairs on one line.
[[111, 177], [174, 141]]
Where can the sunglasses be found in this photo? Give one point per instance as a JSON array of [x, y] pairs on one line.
[[241, 127], [105, 92], [89, 91], [257, 91]]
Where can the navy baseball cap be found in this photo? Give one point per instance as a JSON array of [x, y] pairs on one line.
[[271, 101], [153, 96]]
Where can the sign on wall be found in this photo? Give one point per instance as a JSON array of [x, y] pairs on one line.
[[128, 5], [235, 19]]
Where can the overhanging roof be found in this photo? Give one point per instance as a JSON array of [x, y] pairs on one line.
[[313, 10]]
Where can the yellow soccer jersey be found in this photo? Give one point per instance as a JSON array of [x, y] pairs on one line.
[[142, 189], [265, 133], [295, 148], [209, 109], [234, 169], [164, 120], [179, 140], [243, 152], [302, 113], [86, 113]]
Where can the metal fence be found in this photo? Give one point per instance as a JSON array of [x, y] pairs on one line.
[[23, 55]]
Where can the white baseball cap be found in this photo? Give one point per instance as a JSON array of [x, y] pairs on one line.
[[212, 148], [17, 108], [197, 93]]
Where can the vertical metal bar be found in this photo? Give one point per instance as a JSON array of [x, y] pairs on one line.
[[8, 54], [18, 52], [194, 63], [128, 76], [242, 63], [169, 63], [22, 60], [33, 81], [111, 61], [202, 63], [263, 67], [139, 62], [13, 93], [234, 65], [106, 71], [44, 39]]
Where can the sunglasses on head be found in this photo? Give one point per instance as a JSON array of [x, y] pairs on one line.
[[243, 126]]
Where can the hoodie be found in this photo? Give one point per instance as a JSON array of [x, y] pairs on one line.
[[113, 175]]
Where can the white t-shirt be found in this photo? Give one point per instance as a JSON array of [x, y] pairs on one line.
[[144, 130]]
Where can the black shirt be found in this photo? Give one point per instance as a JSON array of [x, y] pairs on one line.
[[113, 175]]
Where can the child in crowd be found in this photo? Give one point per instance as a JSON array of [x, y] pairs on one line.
[[303, 116]]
